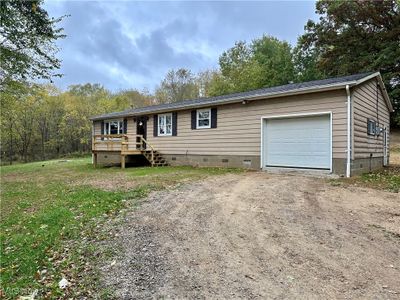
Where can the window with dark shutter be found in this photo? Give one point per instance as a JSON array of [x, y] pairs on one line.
[[193, 119], [203, 120], [175, 123], [125, 126], [214, 117], [155, 125]]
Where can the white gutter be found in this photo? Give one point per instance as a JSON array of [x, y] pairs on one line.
[[348, 163]]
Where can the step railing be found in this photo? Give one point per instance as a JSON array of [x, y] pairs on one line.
[[145, 146]]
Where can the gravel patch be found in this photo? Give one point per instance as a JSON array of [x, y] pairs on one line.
[[257, 235]]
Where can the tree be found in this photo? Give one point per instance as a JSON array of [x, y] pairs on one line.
[[357, 36], [264, 63], [41, 122], [177, 86], [275, 60], [26, 114], [9, 98], [27, 46], [305, 63], [240, 71], [130, 99]]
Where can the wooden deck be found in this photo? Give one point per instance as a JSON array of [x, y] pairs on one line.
[[121, 144]]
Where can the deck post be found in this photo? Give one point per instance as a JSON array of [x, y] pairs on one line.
[[95, 159], [122, 161]]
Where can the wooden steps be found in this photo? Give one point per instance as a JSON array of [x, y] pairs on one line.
[[159, 160]]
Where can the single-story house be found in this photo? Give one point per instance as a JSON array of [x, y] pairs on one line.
[[336, 125]]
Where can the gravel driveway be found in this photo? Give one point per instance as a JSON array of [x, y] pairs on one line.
[[257, 235]]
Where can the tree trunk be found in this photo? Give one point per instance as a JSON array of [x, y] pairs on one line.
[[11, 152]]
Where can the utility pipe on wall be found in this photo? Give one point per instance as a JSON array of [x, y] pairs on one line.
[[348, 162]]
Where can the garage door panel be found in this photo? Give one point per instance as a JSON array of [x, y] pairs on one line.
[[315, 162], [302, 142]]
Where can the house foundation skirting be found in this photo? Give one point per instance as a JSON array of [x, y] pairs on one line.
[[365, 165], [115, 159], [229, 161], [358, 166]]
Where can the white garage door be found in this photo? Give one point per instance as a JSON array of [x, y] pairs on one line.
[[301, 142]]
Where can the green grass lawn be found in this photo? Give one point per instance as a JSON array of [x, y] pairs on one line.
[[49, 208], [387, 179]]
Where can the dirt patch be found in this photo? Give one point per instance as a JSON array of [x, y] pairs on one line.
[[257, 235], [395, 157], [114, 182]]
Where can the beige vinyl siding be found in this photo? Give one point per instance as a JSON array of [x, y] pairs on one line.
[[364, 108], [238, 129], [131, 132]]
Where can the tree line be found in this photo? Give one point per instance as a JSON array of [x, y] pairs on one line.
[[41, 122]]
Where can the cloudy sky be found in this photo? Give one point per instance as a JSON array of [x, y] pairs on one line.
[[129, 44]]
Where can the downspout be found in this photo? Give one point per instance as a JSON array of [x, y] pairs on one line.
[[348, 162]]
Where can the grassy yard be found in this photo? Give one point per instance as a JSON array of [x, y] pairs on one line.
[[387, 179], [52, 210]]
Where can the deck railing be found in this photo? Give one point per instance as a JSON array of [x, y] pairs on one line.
[[110, 142], [121, 143]]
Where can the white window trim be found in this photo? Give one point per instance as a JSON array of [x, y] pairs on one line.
[[158, 125], [107, 130], [374, 127], [197, 118]]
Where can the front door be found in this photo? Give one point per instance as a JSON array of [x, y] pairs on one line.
[[141, 129]]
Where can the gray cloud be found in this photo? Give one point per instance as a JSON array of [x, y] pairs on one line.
[[124, 44]]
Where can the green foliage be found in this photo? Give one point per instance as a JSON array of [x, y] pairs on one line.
[[177, 86], [41, 122], [275, 61], [239, 69], [353, 37], [263, 63], [388, 179], [27, 48], [305, 63]]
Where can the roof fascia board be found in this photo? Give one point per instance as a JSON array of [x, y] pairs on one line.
[[385, 94], [366, 78], [382, 87]]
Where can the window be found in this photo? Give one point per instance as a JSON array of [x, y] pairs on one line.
[[371, 127], [113, 127], [203, 118], [165, 124]]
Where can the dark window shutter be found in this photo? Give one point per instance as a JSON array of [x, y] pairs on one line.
[[214, 117], [155, 125], [102, 129], [194, 117], [174, 123], [125, 126]]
